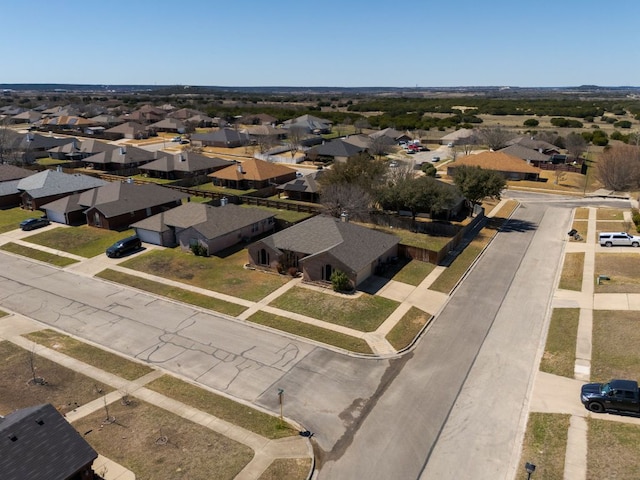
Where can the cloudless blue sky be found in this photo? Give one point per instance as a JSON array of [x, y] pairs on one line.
[[344, 43]]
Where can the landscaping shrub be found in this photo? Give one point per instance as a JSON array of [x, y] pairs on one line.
[[340, 281], [531, 122], [199, 250]]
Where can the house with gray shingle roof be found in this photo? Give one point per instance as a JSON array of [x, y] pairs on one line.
[[39, 443], [225, 137], [169, 125], [49, 185], [117, 205], [337, 150], [130, 130], [304, 188], [119, 158], [10, 176], [322, 245], [214, 228], [182, 165]]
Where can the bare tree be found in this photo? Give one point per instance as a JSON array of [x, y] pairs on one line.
[[339, 198], [266, 142], [31, 359], [380, 146], [495, 137], [361, 124], [295, 136], [619, 167], [466, 144], [575, 144]]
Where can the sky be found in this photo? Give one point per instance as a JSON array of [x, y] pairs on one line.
[[329, 43]]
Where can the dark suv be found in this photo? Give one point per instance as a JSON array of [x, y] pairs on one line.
[[124, 246], [33, 223]]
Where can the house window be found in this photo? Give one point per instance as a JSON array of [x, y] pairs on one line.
[[96, 219], [264, 257]]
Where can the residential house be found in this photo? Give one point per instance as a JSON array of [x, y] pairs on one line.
[[130, 130], [214, 228], [78, 149], [513, 168], [304, 188], [172, 125], [225, 138], [182, 165], [66, 210], [322, 245], [28, 116], [184, 114], [531, 156], [49, 185], [539, 145], [461, 136], [252, 174], [31, 145], [117, 158], [117, 205], [10, 176], [259, 119], [392, 134], [309, 124], [64, 122], [145, 114], [337, 150], [39, 443]]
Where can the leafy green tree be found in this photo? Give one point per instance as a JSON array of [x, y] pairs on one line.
[[476, 183], [429, 170], [531, 122], [361, 170]]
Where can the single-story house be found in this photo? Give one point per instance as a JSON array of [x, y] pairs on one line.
[[78, 149], [182, 165], [185, 113], [214, 228], [337, 150], [49, 185], [540, 145], [309, 124], [118, 158], [169, 125], [534, 157], [38, 443], [259, 119], [513, 168], [130, 130], [461, 136], [304, 188], [392, 134], [66, 210], [10, 176], [119, 204], [322, 245], [225, 138], [252, 174]]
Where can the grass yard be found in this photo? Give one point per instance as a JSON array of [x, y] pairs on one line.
[[210, 187], [610, 214], [287, 468], [84, 240], [413, 239], [566, 182], [571, 277], [220, 274], [613, 450], [560, 352], [614, 226], [174, 293], [615, 353], [97, 357], [290, 216], [545, 445], [406, 330], [158, 445], [10, 218], [581, 213], [365, 312], [65, 388], [622, 269], [36, 254], [454, 272], [263, 424], [411, 272], [319, 334], [581, 226]]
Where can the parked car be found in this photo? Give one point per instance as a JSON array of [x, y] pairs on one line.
[[617, 239], [176, 139], [123, 247], [435, 159], [184, 141], [33, 223], [617, 395]]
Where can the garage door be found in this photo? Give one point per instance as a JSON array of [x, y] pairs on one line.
[[148, 236]]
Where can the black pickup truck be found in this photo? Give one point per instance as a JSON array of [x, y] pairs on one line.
[[615, 396]]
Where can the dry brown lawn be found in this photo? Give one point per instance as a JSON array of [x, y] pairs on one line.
[[65, 389], [158, 445], [545, 445], [614, 226], [581, 213], [287, 468], [405, 331], [610, 214], [622, 270], [581, 226], [616, 336], [613, 450], [571, 278], [559, 356]]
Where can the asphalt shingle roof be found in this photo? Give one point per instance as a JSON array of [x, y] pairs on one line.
[[52, 182], [38, 443]]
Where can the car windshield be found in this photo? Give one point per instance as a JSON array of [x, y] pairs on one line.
[[606, 388]]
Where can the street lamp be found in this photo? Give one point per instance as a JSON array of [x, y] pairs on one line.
[[280, 397], [530, 468]]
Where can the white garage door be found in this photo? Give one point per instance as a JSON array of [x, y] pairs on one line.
[[148, 236], [57, 217]]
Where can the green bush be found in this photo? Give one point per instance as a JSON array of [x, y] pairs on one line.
[[531, 122], [635, 216], [622, 124], [340, 281], [428, 169], [199, 250]]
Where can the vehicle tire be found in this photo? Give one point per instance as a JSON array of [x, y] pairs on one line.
[[595, 407], [608, 244], [635, 244]]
